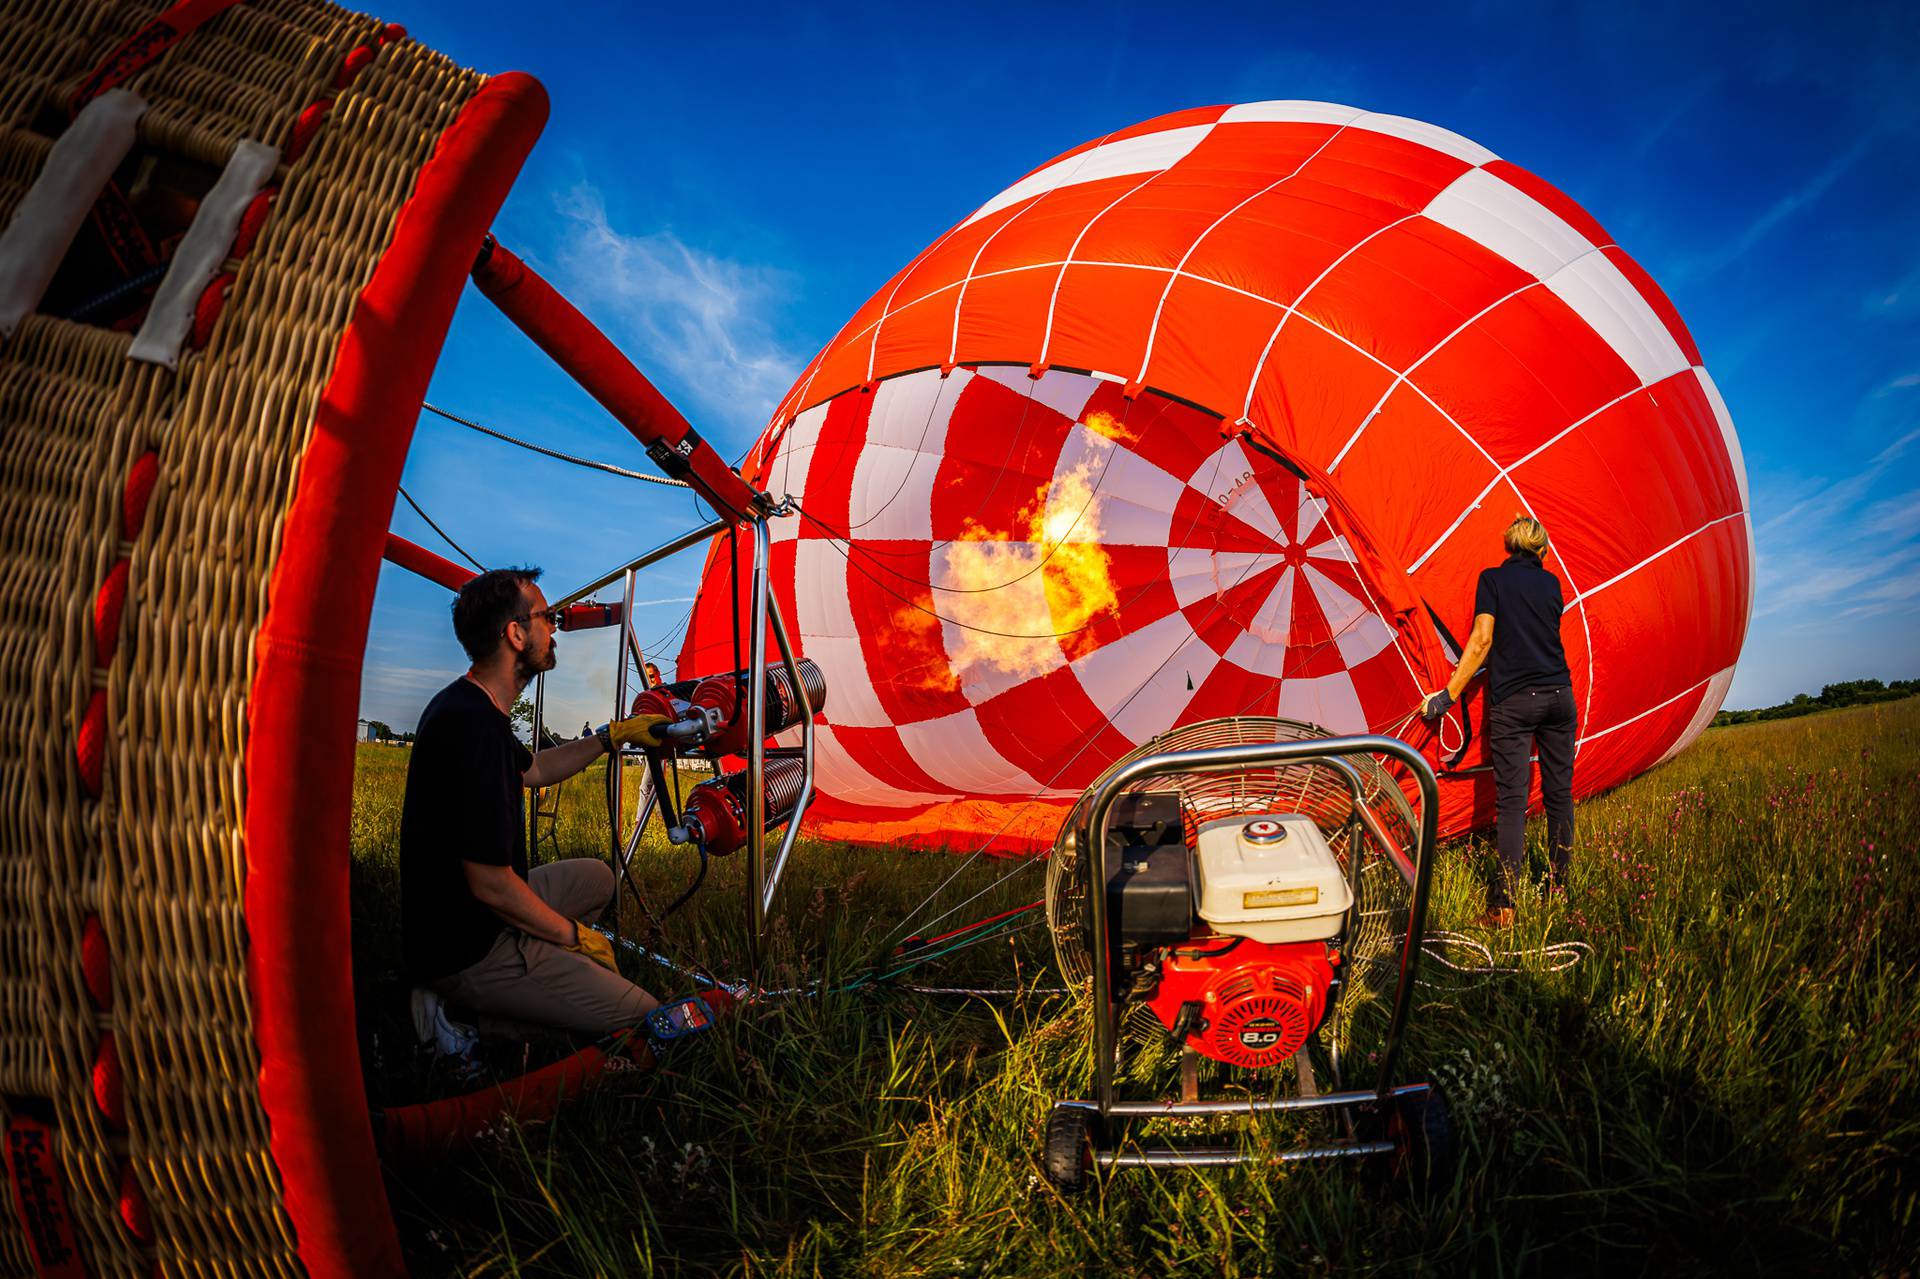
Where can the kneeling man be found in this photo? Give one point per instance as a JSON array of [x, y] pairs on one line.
[[480, 931]]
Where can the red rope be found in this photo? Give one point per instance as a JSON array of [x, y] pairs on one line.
[[981, 923], [140, 49]]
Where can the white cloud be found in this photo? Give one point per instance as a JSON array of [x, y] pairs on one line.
[[1894, 299], [1806, 194], [1823, 501], [1835, 550], [396, 694], [1684, 103], [1894, 519], [695, 322]]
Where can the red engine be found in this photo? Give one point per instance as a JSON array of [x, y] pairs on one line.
[[1229, 930], [1251, 1005]]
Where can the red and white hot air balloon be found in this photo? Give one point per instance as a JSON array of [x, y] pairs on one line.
[[1222, 414]]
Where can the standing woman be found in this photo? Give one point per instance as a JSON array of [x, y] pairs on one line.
[[1516, 633]]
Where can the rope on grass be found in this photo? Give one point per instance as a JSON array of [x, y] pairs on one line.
[[1555, 957], [984, 930], [985, 992]]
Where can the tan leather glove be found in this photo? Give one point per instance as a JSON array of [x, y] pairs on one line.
[[641, 730], [595, 945]]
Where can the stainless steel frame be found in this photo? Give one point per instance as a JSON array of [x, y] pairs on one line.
[[1326, 752], [667, 549], [763, 881]]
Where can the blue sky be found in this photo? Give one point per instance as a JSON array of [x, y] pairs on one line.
[[719, 188]]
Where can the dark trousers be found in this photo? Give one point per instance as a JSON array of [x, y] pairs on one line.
[[1542, 720]]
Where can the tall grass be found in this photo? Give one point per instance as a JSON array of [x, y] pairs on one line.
[[1729, 1082]]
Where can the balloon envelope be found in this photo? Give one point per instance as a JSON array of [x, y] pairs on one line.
[[1223, 414]]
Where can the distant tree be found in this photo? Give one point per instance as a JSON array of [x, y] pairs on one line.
[[521, 717], [1853, 692], [379, 730]]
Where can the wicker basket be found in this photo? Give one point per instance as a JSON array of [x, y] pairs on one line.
[[189, 562]]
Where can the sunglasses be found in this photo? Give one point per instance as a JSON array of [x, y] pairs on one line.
[[553, 616]]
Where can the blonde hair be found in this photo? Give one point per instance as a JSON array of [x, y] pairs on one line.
[[1526, 534]]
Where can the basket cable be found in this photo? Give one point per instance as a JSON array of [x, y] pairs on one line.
[[1034, 861], [478, 566], [917, 452], [556, 454]]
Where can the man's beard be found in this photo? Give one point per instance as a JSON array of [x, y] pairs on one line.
[[526, 665]]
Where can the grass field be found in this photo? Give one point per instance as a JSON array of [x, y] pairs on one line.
[[1728, 1083]]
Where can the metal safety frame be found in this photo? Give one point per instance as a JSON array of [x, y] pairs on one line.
[[1324, 752], [557, 327], [763, 878]]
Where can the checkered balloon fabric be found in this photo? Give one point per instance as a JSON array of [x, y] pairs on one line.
[[1222, 414]]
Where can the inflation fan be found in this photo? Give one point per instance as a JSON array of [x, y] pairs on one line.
[[1262, 883]]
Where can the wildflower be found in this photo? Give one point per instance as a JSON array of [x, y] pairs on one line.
[[692, 1164]]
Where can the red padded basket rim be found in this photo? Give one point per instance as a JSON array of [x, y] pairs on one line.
[[305, 692]]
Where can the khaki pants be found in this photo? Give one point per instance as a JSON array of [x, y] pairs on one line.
[[525, 979]]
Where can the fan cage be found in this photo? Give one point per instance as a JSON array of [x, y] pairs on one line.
[[1311, 788]]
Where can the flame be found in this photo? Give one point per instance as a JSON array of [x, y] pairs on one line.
[[1013, 598], [1103, 423]]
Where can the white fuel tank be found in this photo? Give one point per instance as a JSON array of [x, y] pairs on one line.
[[1269, 878]]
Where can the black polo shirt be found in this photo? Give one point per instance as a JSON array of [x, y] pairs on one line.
[[1525, 601], [464, 803]]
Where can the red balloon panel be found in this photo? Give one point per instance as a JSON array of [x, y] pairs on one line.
[[1300, 364]]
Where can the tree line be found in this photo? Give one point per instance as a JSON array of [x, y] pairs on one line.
[[1853, 692], [521, 718]]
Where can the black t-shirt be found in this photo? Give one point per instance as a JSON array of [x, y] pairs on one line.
[[1525, 601], [465, 803]]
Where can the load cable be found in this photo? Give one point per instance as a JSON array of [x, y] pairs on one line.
[[555, 454], [1031, 862], [1005, 924], [1088, 737], [477, 565]]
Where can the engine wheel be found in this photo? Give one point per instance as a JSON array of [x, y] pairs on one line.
[[1071, 1131], [1422, 1132]]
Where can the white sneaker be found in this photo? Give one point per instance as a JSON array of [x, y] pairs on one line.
[[432, 1025]]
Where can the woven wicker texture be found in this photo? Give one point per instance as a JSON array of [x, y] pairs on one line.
[[155, 857]]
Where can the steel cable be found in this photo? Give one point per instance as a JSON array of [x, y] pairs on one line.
[[556, 454], [477, 565]]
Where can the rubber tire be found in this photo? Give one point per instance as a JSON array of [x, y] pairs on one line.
[[1071, 1133], [1422, 1127]]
